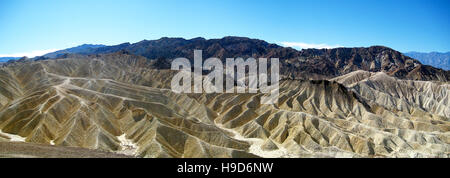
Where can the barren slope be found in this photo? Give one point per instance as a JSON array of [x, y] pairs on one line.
[[116, 102]]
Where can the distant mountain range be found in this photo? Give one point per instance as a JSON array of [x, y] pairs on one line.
[[176, 47], [304, 64], [436, 59], [82, 49], [6, 59]]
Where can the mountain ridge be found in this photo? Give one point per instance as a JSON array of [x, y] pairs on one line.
[[81, 49], [6, 59], [436, 59], [305, 63]]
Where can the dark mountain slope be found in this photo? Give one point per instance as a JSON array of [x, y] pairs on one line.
[[306, 64]]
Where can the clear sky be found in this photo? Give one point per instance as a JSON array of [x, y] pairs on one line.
[[37, 26]]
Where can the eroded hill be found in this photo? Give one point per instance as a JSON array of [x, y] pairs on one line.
[[123, 103]]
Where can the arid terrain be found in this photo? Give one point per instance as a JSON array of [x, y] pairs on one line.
[[116, 101]]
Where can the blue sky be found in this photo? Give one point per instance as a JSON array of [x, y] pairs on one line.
[[29, 27]]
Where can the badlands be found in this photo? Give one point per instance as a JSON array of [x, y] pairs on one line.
[[120, 105]]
